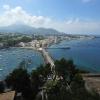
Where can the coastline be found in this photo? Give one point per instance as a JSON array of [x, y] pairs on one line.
[[32, 48]]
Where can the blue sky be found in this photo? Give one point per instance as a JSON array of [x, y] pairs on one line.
[[70, 16]]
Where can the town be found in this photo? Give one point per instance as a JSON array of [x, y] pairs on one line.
[[36, 41]]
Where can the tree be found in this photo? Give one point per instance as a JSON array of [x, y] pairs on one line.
[[39, 77], [65, 68], [44, 70], [19, 80], [26, 39], [1, 87], [36, 82]]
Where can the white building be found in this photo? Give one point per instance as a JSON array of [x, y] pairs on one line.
[[1, 45], [22, 44]]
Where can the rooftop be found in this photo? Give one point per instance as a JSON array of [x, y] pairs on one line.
[[93, 81], [7, 96]]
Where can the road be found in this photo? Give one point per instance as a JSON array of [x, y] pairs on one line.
[[48, 58]]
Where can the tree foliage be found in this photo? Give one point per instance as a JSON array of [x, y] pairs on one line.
[[65, 68], [68, 84], [19, 80], [1, 87]]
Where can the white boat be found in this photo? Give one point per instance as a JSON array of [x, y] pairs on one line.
[[1, 69]]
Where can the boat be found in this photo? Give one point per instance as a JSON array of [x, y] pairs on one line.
[[1, 69], [65, 48]]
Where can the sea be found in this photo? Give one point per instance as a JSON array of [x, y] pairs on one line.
[[84, 52], [11, 58]]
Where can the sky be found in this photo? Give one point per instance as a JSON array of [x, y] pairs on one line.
[[69, 16]]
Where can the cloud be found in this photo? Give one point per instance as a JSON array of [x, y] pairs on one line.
[[77, 27], [17, 14], [73, 25], [6, 7], [71, 21], [82, 27]]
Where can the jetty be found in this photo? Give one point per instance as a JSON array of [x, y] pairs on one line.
[[45, 54], [47, 58], [57, 48]]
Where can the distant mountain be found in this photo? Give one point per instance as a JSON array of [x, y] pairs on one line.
[[20, 28]]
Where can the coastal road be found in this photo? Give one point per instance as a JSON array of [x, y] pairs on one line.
[[48, 58]]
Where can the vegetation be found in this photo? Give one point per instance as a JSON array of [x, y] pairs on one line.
[[65, 69], [65, 83], [70, 84], [19, 80], [1, 87], [28, 84], [10, 41], [25, 39], [39, 37]]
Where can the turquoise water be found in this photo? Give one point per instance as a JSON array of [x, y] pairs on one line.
[[84, 53], [11, 58]]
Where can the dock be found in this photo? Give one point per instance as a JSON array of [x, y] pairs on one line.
[[58, 48]]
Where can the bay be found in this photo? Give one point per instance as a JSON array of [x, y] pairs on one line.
[[11, 58], [85, 53]]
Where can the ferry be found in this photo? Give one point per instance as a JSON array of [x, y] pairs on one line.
[[65, 48]]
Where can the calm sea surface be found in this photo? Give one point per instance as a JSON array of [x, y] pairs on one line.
[[11, 58], [85, 53]]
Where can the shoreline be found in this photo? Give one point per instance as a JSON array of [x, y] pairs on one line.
[[32, 48]]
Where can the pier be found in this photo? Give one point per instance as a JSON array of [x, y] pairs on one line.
[[57, 48], [45, 54], [47, 58]]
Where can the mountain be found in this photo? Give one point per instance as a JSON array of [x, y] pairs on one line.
[[21, 28]]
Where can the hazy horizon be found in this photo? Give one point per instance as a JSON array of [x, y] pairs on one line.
[[69, 16]]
